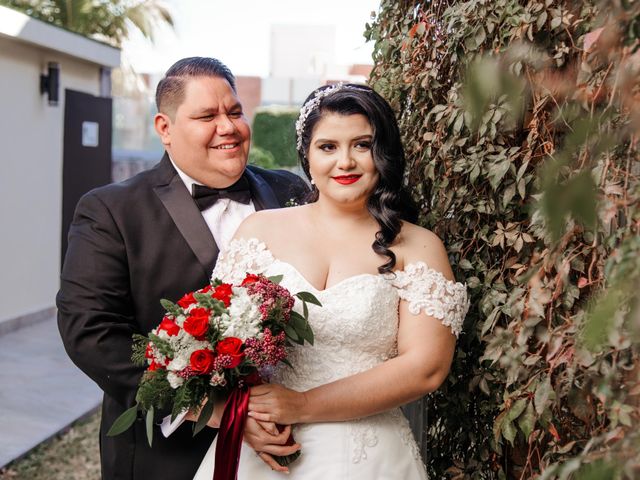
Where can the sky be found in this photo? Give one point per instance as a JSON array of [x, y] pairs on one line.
[[237, 32]]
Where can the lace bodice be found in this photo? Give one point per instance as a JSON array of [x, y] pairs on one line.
[[356, 327]]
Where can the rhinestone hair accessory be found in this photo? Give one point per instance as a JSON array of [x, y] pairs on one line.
[[313, 103]]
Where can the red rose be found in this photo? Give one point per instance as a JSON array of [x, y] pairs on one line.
[[202, 361], [155, 366], [223, 293], [169, 326], [206, 289], [186, 300], [249, 279], [148, 353], [231, 346], [197, 323]]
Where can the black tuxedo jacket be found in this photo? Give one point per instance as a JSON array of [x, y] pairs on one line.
[[131, 244]]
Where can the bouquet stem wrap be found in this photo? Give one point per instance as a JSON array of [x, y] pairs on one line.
[[229, 441]]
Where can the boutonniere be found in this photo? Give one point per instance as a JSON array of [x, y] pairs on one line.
[[293, 202]]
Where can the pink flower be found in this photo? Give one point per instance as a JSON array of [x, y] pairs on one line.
[[275, 300], [266, 352]]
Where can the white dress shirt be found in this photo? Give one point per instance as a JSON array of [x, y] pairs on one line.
[[223, 219]]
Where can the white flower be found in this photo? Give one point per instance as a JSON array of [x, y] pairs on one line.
[[157, 357], [177, 364], [163, 335], [244, 317], [217, 379], [174, 380], [180, 320], [184, 345]]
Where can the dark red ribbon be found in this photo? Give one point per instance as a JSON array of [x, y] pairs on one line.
[[230, 433]]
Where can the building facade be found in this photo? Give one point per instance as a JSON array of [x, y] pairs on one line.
[[35, 58]]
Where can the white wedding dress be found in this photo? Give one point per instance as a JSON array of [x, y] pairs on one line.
[[355, 330]]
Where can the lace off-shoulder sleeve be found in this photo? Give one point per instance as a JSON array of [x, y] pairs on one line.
[[430, 291], [243, 256]]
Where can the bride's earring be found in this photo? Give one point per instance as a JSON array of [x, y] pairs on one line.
[[312, 181]]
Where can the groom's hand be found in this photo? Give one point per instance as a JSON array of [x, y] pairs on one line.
[[216, 416], [266, 440]]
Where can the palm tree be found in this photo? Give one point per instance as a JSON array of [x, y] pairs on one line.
[[107, 20]]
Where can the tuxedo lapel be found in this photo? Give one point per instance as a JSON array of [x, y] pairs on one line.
[[261, 192], [186, 216]]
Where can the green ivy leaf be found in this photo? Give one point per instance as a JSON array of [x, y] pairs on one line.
[[527, 420], [509, 431], [465, 264], [542, 19], [497, 426], [542, 396], [497, 173], [517, 408]]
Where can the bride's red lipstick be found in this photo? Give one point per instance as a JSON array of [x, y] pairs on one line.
[[347, 179]]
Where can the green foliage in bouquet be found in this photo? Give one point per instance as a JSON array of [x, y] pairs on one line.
[[521, 122]]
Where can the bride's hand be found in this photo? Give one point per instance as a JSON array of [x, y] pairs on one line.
[[274, 403]]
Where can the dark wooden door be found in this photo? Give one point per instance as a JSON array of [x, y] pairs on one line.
[[86, 153]]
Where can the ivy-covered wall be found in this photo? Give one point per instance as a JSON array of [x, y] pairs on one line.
[[274, 132], [521, 122]]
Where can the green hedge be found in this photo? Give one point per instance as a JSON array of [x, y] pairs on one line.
[[261, 158], [274, 132], [521, 126]]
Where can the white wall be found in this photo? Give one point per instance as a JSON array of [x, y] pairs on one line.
[[302, 50], [288, 91], [31, 135]]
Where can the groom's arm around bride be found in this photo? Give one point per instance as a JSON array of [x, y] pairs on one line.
[[135, 242]]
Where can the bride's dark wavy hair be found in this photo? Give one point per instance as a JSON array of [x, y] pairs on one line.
[[390, 202]]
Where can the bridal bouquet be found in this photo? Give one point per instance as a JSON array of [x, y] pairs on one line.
[[215, 343]]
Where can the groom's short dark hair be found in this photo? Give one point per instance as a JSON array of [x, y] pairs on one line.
[[170, 90]]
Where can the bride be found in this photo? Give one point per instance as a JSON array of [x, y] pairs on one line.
[[385, 334]]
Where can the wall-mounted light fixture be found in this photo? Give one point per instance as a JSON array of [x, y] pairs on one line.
[[50, 83]]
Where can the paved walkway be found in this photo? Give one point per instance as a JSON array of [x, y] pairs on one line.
[[41, 391]]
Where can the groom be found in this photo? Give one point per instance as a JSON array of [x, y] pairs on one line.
[[157, 235]]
